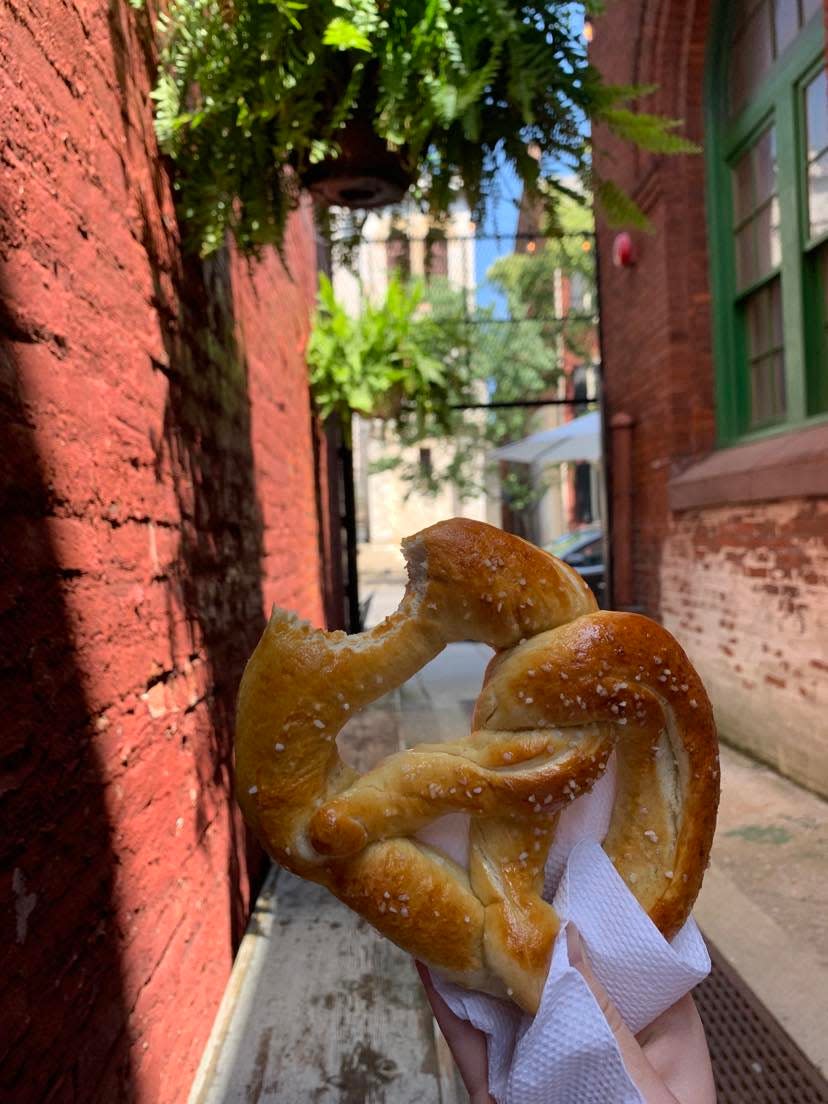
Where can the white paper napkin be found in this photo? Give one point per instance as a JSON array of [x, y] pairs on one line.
[[567, 1054]]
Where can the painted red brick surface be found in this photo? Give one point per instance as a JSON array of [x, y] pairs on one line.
[[158, 496], [745, 589]]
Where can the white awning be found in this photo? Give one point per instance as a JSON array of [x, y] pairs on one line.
[[579, 439]]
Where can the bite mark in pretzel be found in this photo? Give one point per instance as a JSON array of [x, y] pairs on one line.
[[567, 686]]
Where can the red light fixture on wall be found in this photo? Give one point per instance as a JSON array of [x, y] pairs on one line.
[[624, 253]]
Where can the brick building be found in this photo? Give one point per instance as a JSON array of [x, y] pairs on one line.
[[716, 359], [159, 494]]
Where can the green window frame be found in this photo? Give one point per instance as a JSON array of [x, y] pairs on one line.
[[800, 268]]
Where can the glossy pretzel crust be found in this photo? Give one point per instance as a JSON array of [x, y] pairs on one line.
[[567, 686]]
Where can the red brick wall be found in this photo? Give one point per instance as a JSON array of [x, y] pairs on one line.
[[158, 496], [698, 570], [745, 588], [655, 315]]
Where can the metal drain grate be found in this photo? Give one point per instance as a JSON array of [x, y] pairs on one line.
[[754, 1060]]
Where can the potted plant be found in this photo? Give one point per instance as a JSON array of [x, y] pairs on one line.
[[358, 98], [380, 363]]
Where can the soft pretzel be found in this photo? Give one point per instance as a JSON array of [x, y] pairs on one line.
[[567, 686]]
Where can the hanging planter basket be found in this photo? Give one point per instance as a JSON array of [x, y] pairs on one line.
[[367, 174], [390, 406], [248, 92]]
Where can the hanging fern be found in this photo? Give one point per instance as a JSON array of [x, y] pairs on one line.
[[252, 93], [383, 362]]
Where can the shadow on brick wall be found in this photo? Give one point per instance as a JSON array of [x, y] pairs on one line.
[[60, 959], [205, 451], [216, 579]]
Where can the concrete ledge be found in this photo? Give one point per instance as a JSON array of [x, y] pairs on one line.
[[787, 978], [792, 464], [321, 1008]]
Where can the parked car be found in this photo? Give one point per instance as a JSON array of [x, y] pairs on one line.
[[583, 549]]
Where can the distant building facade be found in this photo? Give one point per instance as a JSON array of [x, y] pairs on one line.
[[574, 495], [715, 358], [411, 245]]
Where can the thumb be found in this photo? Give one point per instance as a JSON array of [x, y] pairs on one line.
[[578, 959], [648, 1082]]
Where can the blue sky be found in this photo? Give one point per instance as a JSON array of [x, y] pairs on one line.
[[501, 219], [502, 216]]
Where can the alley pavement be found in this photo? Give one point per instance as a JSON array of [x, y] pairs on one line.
[[320, 1008]]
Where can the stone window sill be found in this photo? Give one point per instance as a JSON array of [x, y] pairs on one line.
[[792, 465]]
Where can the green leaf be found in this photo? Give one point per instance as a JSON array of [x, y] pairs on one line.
[[361, 400], [345, 36], [445, 100], [650, 132], [618, 207]]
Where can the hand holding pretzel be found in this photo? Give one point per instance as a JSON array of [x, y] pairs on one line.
[[568, 685]]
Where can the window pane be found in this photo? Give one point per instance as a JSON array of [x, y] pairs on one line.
[[751, 56], [764, 157], [777, 369], [436, 254], [742, 9], [758, 242], [816, 114], [743, 199], [786, 23], [593, 553], [818, 196], [768, 241], [756, 318], [763, 315], [767, 389], [774, 301], [746, 268], [397, 256]]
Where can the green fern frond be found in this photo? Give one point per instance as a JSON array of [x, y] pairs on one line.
[[649, 132], [619, 208]]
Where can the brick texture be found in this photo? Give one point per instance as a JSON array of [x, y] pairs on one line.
[[158, 496], [658, 368], [744, 589]]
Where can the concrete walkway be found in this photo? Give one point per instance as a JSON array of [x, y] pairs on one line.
[[321, 1009]]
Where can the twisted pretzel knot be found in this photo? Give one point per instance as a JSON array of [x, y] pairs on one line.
[[567, 686]]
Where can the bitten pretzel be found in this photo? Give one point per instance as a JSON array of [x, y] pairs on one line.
[[568, 686]]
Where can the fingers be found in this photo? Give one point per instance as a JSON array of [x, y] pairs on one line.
[[676, 1047], [466, 1043], [648, 1082], [669, 1062], [578, 959]]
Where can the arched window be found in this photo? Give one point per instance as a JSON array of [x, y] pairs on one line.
[[767, 149]]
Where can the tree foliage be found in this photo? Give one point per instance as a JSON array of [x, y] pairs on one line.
[[528, 279]]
